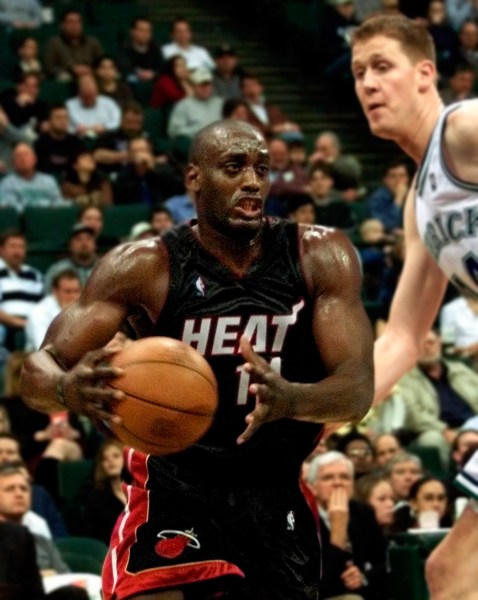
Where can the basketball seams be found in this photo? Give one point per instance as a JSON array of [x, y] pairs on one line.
[[169, 362]]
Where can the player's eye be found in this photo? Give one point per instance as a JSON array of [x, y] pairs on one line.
[[262, 170], [232, 168]]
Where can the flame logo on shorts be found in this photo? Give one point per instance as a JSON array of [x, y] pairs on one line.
[[173, 542]]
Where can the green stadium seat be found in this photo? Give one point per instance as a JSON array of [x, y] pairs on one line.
[[120, 219], [55, 92], [82, 554], [9, 218], [72, 477], [360, 211], [430, 457], [407, 581], [154, 124], [47, 229], [142, 91]]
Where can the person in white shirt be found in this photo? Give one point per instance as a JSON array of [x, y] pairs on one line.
[[196, 57], [92, 113], [65, 290], [459, 327]]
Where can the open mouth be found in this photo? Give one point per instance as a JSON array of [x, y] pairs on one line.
[[249, 207], [375, 106]]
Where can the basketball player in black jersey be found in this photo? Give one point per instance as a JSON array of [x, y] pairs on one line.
[[275, 308]]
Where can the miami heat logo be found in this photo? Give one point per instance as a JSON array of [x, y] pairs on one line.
[[173, 542]]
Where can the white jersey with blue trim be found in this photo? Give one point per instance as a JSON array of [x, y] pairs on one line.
[[446, 211]]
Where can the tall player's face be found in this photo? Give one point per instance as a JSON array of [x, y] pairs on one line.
[[388, 85], [233, 184]]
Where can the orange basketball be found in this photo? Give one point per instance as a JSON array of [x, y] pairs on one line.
[[171, 395]]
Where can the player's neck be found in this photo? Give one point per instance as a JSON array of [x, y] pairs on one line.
[[416, 136]]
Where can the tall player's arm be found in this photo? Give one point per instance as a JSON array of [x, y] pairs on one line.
[[72, 364], [343, 336], [414, 308]]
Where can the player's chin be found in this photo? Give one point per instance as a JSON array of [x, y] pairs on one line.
[[245, 228]]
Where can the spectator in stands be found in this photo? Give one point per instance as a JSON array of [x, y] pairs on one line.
[[301, 209], [142, 181], [110, 83], [142, 231], [426, 507], [111, 152], [92, 217], [141, 58], [341, 22], [374, 246], [105, 501], [458, 12], [172, 85], [444, 38], [91, 113], [386, 202], [196, 57], [161, 220], [352, 542], [285, 177], [19, 573], [20, 14], [22, 105], [268, 118], [330, 209], [21, 286], [235, 108], [402, 470], [5, 426], [440, 395], [191, 114], [385, 447], [460, 85], [15, 502], [26, 186], [28, 61], [358, 448], [9, 137], [65, 289], [181, 207], [298, 153], [326, 148], [468, 51], [227, 74], [459, 328], [466, 440], [376, 491], [85, 184], [82, 256], [72, 53], [56, 148]]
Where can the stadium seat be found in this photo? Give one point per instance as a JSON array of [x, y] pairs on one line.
[[55, 92], [73, 476], [47, 229], [407, 580], [430, 457], [120, 219], [82, 554], [9, 218]]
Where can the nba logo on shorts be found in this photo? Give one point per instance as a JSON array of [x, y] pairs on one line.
[[290, 520]]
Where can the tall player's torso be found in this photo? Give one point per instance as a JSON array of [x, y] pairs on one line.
[[447, 215]]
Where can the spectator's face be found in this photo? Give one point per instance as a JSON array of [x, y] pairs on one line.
[[181, 33], [93, 218], [83, 246], [4, 421], [431, 350], [396, 177], [385, 448], [29, 49], [431, 496], [304, 214], [161, 222], [29, 86], [9, 451], [67, 291], [24, 160], [372, 231], [88, 91], [382, 501], [469, 36], [59, 121], [436, 12], [465, 442], [346, 10], [402, 477], [85, 163], [107, 70], [204, 90], [279, 155], [112, 461], [240, 113], [142, 33], [72, 26], [251, 89], [360, 453], [15, 496], [320, 184], [14, 251], [140, 152], [226, 64], [132, 123], [326, 148], [462, 82], [180, 68], [330, 477]]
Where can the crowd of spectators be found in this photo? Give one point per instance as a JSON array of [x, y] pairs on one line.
[[114, 130]]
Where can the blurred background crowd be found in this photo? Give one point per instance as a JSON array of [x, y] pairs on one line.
[[99, 102]]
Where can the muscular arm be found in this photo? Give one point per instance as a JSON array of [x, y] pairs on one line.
[[343, 335], [115, 290], [415, 305]]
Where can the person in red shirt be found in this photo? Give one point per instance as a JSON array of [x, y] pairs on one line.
[[172, 85]]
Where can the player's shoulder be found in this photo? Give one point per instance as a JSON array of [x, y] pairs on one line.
[[139, 257], [319, 237], [462, 123]]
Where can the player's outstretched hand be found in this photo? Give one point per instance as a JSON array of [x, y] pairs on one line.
[[272, 392], [83, 387]]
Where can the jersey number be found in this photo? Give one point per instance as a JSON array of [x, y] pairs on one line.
[[245, 380]]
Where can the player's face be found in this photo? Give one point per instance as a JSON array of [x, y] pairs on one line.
[[232, 182], [431, 496], [382, 501], [387, 85]]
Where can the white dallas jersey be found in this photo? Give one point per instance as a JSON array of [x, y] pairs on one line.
[[447, 214]]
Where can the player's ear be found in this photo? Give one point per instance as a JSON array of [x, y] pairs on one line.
[[193, 177], [427, 75]]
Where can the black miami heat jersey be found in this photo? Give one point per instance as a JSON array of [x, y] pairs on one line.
[[210, 308]]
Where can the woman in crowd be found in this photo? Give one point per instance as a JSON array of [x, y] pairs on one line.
[[28, 61], [85, 184], [110, 83], [376, 491], [172, 85]]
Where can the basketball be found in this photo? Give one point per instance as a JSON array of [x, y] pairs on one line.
[[171, 395]]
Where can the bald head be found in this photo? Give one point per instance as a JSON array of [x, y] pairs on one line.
[[219, 133]]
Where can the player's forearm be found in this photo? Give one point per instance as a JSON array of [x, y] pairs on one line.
[[40, 378], [344, 396]]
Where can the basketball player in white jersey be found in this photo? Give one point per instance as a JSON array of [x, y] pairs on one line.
[[393, 63]]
